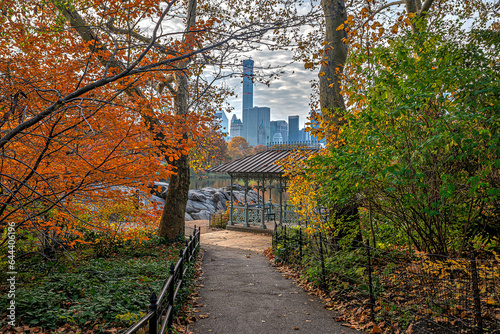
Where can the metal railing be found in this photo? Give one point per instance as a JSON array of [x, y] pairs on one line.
[[288, 216], [161, 309], [293, 145]]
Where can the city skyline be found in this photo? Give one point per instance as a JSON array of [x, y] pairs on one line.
[[286, 96]]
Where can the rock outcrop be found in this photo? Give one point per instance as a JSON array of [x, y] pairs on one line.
[[206, 201]]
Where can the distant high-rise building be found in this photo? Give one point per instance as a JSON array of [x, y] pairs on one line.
[[303, 135], [252, 119], [236, 127], [293, 128], [247, 84], [277, 138], [281, 127], [221, 115], [261, 134], [273, 128]]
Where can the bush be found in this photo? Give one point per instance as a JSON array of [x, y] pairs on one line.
[[94, 292]]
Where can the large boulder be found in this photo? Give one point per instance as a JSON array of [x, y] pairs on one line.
[[195, 206], [221, 206], [197, 195], [206, 201], [219, 197], [201, 215]]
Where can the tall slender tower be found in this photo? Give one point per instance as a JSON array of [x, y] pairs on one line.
[[247, 84], [293, 129]]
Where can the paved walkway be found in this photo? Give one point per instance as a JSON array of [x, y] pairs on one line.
[[243, 294]]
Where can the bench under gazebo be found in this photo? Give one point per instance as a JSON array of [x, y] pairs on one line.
[[262, 168]]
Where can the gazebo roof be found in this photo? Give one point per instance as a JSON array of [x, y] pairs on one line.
[[262, 164]]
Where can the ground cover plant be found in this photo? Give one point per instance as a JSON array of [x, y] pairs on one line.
[[88, 291], [391, 290]]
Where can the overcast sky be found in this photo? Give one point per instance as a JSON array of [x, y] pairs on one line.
[[289, 95]]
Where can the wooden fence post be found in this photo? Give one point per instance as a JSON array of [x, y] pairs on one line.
[[370, 282], [300, 246], [285, 247], [190, 245], [153, 326], [322, 258], [476, 292], [171, 295], [181, 266]]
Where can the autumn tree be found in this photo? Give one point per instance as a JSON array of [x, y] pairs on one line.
[[96, 95], [411, 30], [211, 149], [258, 149], [70, 115], [238, 148]]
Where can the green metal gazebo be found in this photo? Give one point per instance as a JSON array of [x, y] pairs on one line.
[[262, 167]]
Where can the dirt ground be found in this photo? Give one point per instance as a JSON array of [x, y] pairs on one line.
[[231, 239], [198, 223]]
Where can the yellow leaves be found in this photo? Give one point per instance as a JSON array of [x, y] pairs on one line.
[[491, 301], [380, 32], [395, 29], [308, 65], [322, 73], [365, 12], [340, 27]]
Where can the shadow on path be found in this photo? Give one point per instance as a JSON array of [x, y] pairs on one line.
[[243, 293]]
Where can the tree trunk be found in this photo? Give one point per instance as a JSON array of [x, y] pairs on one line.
[[331, 99], [172, 220], [334, 58], [173, 217]]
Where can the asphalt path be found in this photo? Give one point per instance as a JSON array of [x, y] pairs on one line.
[[242, 293]]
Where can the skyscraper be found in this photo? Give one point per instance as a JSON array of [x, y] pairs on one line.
[[221, 115], [262, 134], [280, 127], [252, 119], [277, 138], [293, 129], [303, 135], [283, 129], [247, 84], [236, 127]]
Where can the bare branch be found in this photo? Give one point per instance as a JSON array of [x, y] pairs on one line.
[[394, 3], [425, 7]]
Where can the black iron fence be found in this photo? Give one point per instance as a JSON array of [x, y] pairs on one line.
[[161, 309], [422, 293]]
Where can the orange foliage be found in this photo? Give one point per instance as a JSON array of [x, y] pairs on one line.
[[238, 148], [80, 121]]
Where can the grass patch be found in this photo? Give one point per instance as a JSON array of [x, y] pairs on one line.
[[90, 294]]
